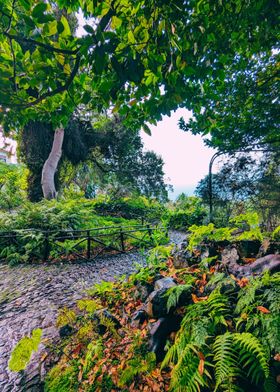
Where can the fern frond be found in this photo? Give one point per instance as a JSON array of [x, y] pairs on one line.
[[251, 355], [171, 356], [185, 375], [225, 358], [174, 294]]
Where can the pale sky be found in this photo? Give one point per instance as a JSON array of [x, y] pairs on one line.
[[186, 157]]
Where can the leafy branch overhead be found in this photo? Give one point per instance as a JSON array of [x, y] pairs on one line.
[[141, 58]]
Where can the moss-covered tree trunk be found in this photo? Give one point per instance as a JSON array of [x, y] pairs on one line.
[[51, 164]]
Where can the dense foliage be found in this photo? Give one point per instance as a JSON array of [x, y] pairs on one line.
[[25, 234], [244, 110], [185, 212], [245, 183], [146, 58], [228, 338], [13, 184], [97, 155]]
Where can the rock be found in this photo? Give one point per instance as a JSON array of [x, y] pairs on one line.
[[66, 330], [142, 291], [164, 283], [181, 255], [160, 332], [229, 255], [156, 304], [100, 316], [138, 318], [248, 248]]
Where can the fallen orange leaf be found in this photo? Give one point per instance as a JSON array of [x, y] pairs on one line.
[[249, 260], [198, 299], [243, 282], [277, 357], [201, 367], [263, 309]]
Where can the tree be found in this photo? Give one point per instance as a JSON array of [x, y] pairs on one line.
[[244, 109], [245, 183], [115, 161], [139, 58], [105, 154]]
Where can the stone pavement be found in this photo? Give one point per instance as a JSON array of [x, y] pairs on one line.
[[30, 296]]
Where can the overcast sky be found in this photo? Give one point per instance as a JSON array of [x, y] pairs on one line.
[[186, 157]]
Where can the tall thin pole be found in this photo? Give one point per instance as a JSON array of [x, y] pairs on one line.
[[253, 148], [210, 184]]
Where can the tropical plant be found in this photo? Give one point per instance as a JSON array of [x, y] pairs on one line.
[[211, 352]]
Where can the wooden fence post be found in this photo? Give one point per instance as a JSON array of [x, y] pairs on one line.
[[122, 240], [47, 246], [149, 231], [88, 245]]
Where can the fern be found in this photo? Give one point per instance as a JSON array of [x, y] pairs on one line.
[[252, 355], [186, 376], [225, 358], [174, 294], [247, 296]]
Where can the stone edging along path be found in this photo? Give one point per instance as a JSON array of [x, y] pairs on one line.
[[30, 297]]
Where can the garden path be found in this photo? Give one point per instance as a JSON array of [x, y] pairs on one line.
[[30, 297]]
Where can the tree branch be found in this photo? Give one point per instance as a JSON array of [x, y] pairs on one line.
[[40, 44], [14, 64], [58, 90]]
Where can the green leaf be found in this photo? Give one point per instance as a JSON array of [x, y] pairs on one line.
[[130, 37], [23, 350], [88, 29], [39, 9], [50, 28], [116, 22], [147, 130], [66, 31], [60, 27], [26, 4]]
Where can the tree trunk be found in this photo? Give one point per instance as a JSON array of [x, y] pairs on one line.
[[50, 166]]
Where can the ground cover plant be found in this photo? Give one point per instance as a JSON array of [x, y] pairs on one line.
[[228, 338], [31, 223]]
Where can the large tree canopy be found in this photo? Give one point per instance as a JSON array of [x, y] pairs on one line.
[[142, 58], [244, 109]]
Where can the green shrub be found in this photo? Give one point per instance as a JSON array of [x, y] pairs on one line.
[[130, 208], [249, 223], [186, 211], [13, 185]]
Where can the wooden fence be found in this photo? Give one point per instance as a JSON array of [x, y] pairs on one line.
[[84, 244]]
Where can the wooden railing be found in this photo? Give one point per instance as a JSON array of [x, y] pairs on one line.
[[84, 244]]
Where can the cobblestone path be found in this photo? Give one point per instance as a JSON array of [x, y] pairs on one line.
[[30, 297]]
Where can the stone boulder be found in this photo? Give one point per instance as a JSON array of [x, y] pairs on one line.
[[159, 333], [164, 283], [181, 255], [156, 304]]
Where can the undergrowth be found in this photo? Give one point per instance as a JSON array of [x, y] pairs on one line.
[[228, 341]]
